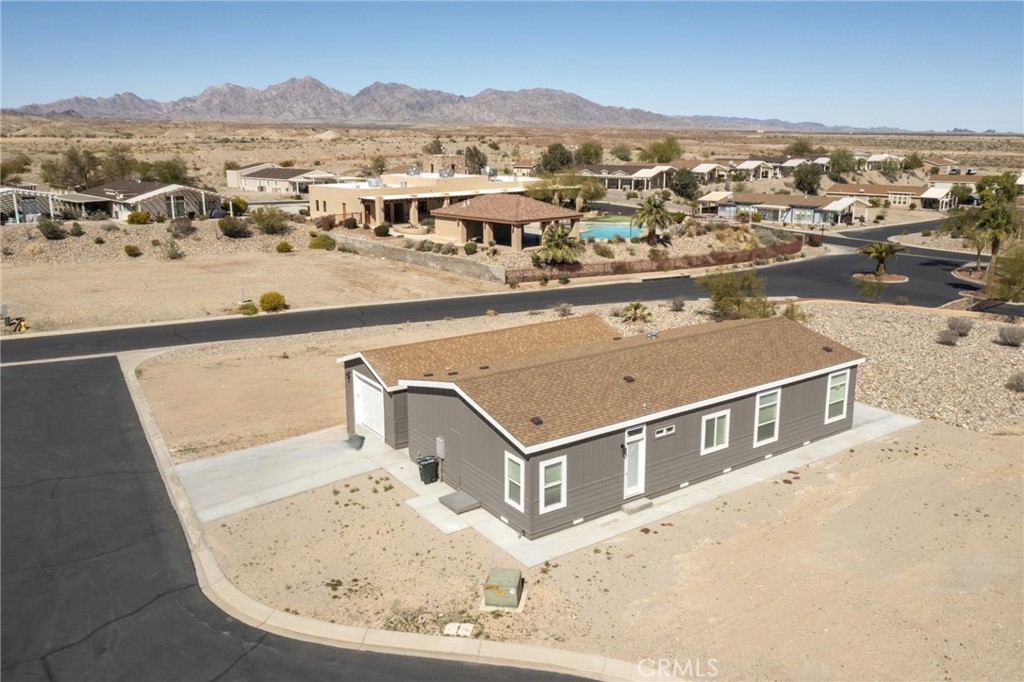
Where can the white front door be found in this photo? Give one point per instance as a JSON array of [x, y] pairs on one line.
[[634, 461], [368, 399]]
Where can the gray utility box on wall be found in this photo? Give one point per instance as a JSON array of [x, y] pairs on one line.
[[504, 587]]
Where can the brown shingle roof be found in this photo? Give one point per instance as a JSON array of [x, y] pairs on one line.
[[879, 190], [513, 209], [470, 351], [779, 199], [581, 389]]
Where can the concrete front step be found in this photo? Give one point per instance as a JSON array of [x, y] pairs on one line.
[[637, 505]]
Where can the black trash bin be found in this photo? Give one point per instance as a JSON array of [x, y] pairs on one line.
[[428, 469]]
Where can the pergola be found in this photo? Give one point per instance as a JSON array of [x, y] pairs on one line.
[[178, 200], [489, 217]]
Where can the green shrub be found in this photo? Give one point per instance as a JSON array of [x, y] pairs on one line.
[[1011, 335], [926, 233], [99, 240], [238, 206], [636, 312], [284, 247], [76, 230], [248, 308], [469, 248], [132, 250], [138, 218], [425, 245], [233, 228], [350, 223], [512, 283], [795, 313], [304, 212], [449, 249], [756, 217], [270, 220], [160, 217], [324, 242], [272, 301], [544, 279], [51, 229], [172, 250], [382, 230], [913, 206]]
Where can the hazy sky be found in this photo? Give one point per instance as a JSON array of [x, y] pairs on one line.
[[915, 65]]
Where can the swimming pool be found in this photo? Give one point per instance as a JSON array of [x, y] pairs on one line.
[[609, 230]]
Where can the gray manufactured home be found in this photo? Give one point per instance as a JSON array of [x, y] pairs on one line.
[[553, 438]]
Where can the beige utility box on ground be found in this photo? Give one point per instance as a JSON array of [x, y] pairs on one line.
[[504, 587]]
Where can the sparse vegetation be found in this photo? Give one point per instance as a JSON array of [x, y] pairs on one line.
[[272, 302], [563, 309], [961, 325], [139, 218], [948, 337], [323, 242], [636, 312], [233, 228], [284, 247], [132, 251], [247, 308], [736, 296], [270, 220], [51, 229], [1011, 335], [172, 251]]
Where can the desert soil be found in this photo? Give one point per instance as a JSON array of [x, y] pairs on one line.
[[901, 559]]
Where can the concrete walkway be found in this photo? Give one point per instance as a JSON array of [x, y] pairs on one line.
[[242, 480]]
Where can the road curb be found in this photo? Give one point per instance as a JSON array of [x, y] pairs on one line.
[[219, 590]]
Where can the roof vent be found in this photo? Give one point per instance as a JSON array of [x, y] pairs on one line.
[[616, 338], [827, 349], [452, 373], [428, 374], [536, 421], [628, 379], [485, 366]]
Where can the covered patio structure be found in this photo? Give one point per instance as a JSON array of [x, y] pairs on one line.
[[500, 218]]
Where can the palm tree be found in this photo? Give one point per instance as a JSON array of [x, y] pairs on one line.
[[652, 215], [636, 312], [881, 252], [559, 246], [995, 223]]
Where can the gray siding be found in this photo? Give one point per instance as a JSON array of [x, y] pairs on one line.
[[474, 452]]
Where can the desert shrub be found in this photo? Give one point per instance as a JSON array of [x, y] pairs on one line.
[[248, 308], [383, 230], [132, 250], [603, 250], [666, 194], [425, 245], [563, 280], [634, 240], [76, 230], [172, 251], [51, 229], [350, 223], [657, 255], [756, 217], [961, 325], [901, 300], [636, 312], [926, 233], [138, 218], [948, 337], [469, 248], [238, 206], [512, 283], [409, 243], [99, 240], [233, 228], [436, 248], [620, 268], [1011, 335], [154, 242], [1016, 383], [737, 296], [795, 313], [325, 223], [270, 220], [617, 239], [324, 242], [677, 304], [304, 212], [283, 247], [180, 227], [160, 217], [272, 301], [449, 249], [913, 206], [544, 279], [109, 227], [563, 309], [631, 195]]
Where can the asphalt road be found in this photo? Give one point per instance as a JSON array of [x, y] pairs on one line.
[[97, 582], [931, 284]]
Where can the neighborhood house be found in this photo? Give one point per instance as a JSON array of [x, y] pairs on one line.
[[551, 425]]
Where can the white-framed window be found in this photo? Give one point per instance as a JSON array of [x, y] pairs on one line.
[[552, 484], [835, 401], [665, 431], [515, 472], [714, 432], [766, 417]]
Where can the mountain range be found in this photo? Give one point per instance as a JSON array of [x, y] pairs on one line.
[[307, 100]]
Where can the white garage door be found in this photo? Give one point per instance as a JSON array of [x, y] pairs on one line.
[[369, 404]]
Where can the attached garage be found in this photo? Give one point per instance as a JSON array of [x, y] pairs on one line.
[[368, 404]]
